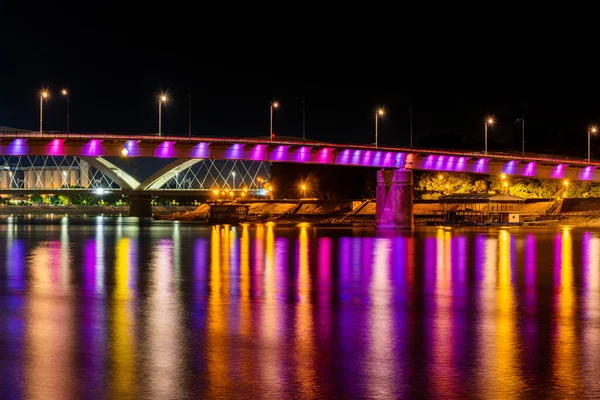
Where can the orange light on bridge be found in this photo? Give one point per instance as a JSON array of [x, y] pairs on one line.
[[124, 152]]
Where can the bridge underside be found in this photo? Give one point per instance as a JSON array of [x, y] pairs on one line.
[[258, 150]]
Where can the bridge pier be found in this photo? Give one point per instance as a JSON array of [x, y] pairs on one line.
[[140, 206], [394, 208]]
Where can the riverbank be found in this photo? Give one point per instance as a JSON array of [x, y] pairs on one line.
[[584, 212]]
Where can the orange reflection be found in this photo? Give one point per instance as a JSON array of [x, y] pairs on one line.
[[507, 350], [442, 326], [270, 324], [304, 320], [566, 366], [122, 354], [50, 323], [217, 346]]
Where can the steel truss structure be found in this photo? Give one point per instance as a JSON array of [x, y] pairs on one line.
[[70, 173]]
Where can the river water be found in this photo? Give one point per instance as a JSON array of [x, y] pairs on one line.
[[112, 309]]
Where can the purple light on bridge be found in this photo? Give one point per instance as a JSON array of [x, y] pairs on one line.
[[429, 162], [201, 151], [18, 147], [303, 153], [344, 157], [258, 152], [559, 171], [234, 151], [529, 169], [510, 167], [356, 157], [92, 148], [586, 173], [481, 165], [56, 148], [280, 153], [325, 156], [165, 150], [439, 163], [132, 147]]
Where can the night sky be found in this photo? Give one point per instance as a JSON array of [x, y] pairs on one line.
[[115, 60]]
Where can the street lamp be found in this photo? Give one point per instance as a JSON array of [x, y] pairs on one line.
[[488, 121], [304, 190], [378, 113], [233, 175], [65, 93], [162, 99], [591, 130], [43, 95], [273, 105]]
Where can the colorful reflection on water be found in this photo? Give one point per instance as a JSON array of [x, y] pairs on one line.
[[176, 311]]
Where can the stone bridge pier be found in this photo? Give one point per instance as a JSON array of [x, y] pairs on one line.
[[394, 209], [140, 205]]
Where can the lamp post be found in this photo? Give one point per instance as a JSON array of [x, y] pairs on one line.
[[65, 93], [273, 105], [43, 95], [233, 175], [488, 121], [378, 113], [162, 99], [591, 130], [304, 191]]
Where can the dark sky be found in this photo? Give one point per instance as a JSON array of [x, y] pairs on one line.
[[344, 62]]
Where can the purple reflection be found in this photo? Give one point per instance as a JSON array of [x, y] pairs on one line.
[[324, 270], [530, 259], [510, 167], [89, 266], [557, 259]]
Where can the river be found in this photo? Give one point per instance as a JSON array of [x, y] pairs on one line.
[[110, 309]]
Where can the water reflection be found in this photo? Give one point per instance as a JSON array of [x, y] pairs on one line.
[[115, 310]]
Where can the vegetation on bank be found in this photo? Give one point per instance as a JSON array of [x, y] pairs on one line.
[[432, 185]]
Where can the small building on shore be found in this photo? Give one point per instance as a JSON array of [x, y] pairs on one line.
[[480, 209], [228, 213]]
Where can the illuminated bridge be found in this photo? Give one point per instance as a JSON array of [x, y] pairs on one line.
[[35, 162]]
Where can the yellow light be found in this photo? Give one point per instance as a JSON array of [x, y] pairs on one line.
[[566, 183], [503, 176], [215, 191], [124, 152], [163, 98], [231, 194], [490, 121], [275, 104], [303, 187], [505, 184], [64, 92], [243, 194], [245, 189], [440, 176], [593, 129], [44, 94], [222, 193], [380, 111]]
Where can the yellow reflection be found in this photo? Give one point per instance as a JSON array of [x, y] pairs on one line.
[[566, 366], [49, 327], [217, 346], [304, 320], [507, 350], [122, 354]]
